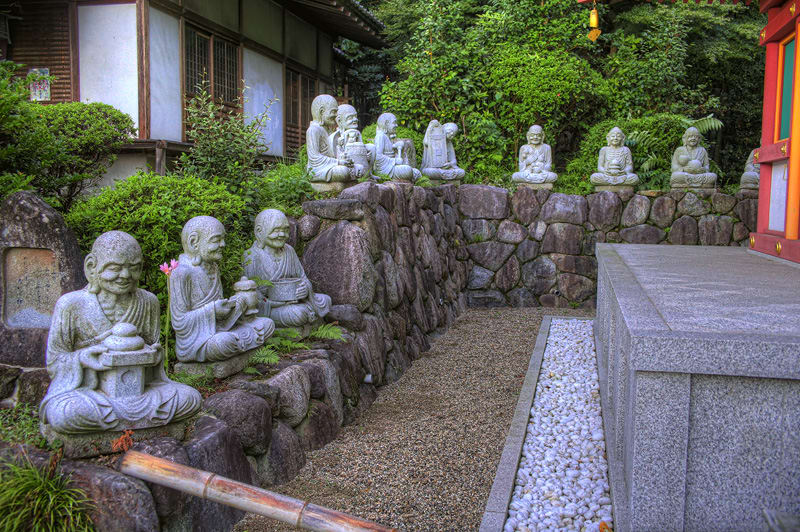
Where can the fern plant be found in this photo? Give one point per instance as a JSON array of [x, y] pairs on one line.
[[327, 331], [287, 340]]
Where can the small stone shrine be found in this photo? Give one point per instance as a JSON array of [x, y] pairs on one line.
[[39, 261], [752, 173], [614, 164], [290, 300], [690, 167], [104, 358], [388, 152], [211, 331], [329, 170], [535, 162], [438, 156]]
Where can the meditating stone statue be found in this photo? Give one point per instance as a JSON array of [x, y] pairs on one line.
[[535, 161], [349, 145], [103, 356], [615, 163], [438, 156], [290, 301], [208, 327], [752, 172], [388, 158], [690, 164], [329, 172]]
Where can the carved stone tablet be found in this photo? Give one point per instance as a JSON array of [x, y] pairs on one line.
[[32, 287]]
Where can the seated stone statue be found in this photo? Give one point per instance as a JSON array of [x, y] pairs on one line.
[[388, 159], [208, 327], [291, 301], [438, 156], [752, 172], [323, 163], [690, 163], [535, 160], [348, 143], [615, 162], [103, 356]]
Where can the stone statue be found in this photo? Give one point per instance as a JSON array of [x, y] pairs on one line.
[[752, 172], [290, 301], [388, 157], [535, 161], [208, 327], [349, 145], [103, 356], [615, 162], [328, 171], [690, 163], [438, 156]]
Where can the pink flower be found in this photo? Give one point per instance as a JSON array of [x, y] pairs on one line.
[[167, 268]]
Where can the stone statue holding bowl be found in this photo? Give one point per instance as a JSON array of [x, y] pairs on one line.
[[103, 355], [388, 158], [535, 161], [290, 301], [329, 171], [348, 143], [208, 327], [690, 168], [615, 163]]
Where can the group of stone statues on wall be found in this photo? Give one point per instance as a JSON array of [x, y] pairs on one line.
[[103, 352]]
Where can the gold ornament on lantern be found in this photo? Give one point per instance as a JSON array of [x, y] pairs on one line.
[[594, 23]]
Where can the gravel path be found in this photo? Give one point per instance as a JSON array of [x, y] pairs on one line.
[[562, 480], [423, 457]]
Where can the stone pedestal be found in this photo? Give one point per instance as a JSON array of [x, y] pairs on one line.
[[219, 369], [97, 443], [331, 186], [536, 186], [701, 190], [438, 182], [700, 387], [613, 188]]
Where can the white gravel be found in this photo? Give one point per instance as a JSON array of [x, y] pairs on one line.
[[562, 480]]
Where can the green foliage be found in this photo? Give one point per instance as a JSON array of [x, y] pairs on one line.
[[327, 331], [199, 382], [153, 209], [402, 132], [286, 340], [21, 425], [11, 183], [36, 500], [285, 187], [265, 355]]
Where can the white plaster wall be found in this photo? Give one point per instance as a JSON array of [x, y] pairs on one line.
[[125, 166], [165, 76], [263, 79], [107, 56]]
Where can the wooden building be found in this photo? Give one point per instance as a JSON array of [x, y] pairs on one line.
[[146, 57]]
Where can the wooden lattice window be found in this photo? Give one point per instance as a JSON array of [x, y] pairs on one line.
[[211, 59], [300, 92]]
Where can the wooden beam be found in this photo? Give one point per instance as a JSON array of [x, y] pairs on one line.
[[143, 62]]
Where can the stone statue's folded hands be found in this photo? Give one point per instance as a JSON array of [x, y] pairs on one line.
[[223, 307], [89, 357]]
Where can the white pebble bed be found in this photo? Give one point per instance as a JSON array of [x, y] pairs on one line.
[[562, 480]]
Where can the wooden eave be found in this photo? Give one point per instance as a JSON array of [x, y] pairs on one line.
[[340, 17]]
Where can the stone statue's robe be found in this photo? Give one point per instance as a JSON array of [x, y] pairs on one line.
[[321, 153], [614, 167], [530, 155], [73, 403], [684, 176], [267, 264], [752, 172], [448, 172], [198, 335]]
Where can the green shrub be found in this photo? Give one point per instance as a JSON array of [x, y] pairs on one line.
[[21, 425], [154, 208], [11, 183], [38, 500], [368, 134], [285, 187]]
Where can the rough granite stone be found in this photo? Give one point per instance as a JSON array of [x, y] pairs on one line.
[[370, 347], [511, 233], [332, 390], [32, 386], [347, 316], [335, 209], [219, 369], [478, 230], [663, 211], [485, 299], [692, 205], [284, 459], [259, 388], [522, 297], [740, 231], [636, 211], [490, 255], [308, 226], [295, 392], [170, 503], [479, 278], [249, 416], [483, 201], [747, 211], [318, 428], [525, 205], [508, 275], [715, 230], [8, 379], [537, 230], [722, 203], [575, 287], [539, 275], [642, 234], [582, 265], [367, 192], [683, 231], [527, 250], [559, 207], [605, 209], [338, 263], [563, 238]]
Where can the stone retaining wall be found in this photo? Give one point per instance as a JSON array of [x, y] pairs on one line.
[[535, 247]]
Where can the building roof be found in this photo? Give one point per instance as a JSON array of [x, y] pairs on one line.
[[351, 19]]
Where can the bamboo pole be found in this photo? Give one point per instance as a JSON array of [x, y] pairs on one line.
[[206, 485]]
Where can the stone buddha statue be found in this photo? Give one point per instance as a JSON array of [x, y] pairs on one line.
[[388, 158], [535, 161], [349, 145], [752, 172], [690, 163], [208, 327], [328, 170], [615, 162], [290, 301], [438, 156], [103, 355]]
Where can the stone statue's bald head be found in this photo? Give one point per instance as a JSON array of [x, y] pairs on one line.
[[320, 104], [615, 131], [266, 224], [691, 131], [115, 248], [385, 120], [347, 117], [198, 230]]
